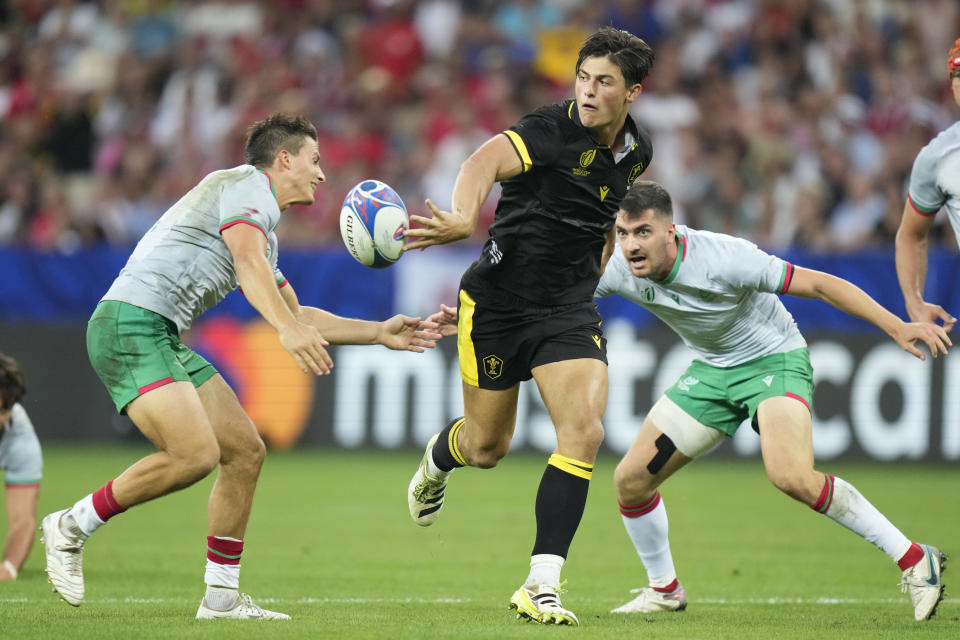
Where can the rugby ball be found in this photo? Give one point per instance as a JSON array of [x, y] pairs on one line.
[[372, 222]]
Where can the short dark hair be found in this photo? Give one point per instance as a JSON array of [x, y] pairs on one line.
[[13, 384], [631, 54], [643, 195], [270, 136]]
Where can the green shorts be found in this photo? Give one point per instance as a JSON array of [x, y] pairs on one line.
[[723, 397], [134, 351]]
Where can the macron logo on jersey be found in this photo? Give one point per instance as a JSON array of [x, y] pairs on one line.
[[768, 380]]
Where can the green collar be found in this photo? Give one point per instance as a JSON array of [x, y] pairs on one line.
[[681, 255], [269, 181]]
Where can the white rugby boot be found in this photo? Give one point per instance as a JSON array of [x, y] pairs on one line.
[[425, 492], [64, 558], [650, 600], [923, 582], [244, 609]]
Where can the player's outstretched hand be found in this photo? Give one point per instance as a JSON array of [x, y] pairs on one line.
[[446, 320], [928, 312], [408, 334], [933, 335], [442, 228], [306, 346]]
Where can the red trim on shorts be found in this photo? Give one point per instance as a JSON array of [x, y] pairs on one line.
[[249, 222], [637, 510], [796, 397], [31, 485], [153, 385], [919, 210]]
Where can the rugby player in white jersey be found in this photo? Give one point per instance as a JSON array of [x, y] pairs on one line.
[[719, 294], [219, 236], [21, 461], [934, 184]]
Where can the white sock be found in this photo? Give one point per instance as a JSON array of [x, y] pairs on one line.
[[433, 469], [855, 512], [221, 598], [222, 575], [647, 528], [84, 515], [544, 569]]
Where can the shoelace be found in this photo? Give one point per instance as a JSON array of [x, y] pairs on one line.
[[905, 584], [72, 562], [550, 599], [247, 605], [421, 490]]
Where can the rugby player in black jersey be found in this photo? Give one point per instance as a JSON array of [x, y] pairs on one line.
[[526, 304]]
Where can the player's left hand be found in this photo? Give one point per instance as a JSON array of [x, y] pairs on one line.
[[404, 333], [444, 227], [446, 320], [934, 335]]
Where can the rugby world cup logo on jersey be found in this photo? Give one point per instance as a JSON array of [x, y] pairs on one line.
[[634, 173], [586, 159], [687, 382]]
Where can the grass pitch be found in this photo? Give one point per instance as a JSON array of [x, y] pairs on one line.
[[330, 543]]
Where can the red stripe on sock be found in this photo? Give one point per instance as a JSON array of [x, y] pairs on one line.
[[670, 587], [913, 555], [223, 551], [637, 510], [826, 496], [105, 504]]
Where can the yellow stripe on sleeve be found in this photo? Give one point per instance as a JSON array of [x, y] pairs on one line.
[[571, 466], [521, 149], [468, 356]]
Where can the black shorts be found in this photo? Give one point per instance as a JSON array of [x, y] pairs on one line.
[[501, 337]]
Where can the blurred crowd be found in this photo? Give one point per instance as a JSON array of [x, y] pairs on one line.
[[790, 122]]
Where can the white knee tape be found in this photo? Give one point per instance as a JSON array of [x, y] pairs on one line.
[[691, 438]]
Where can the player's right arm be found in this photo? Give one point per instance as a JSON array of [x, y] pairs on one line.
[[495, 160], [248, 246], [22, 521], [851, 299], [911, 259]]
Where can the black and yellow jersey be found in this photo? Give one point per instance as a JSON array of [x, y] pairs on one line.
[[547, 236]]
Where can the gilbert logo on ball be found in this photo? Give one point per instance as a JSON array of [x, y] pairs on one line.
[[372, 221]]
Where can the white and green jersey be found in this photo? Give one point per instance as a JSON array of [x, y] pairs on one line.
[[935, 178], [720, 297], [20, 457], [182, 267]]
